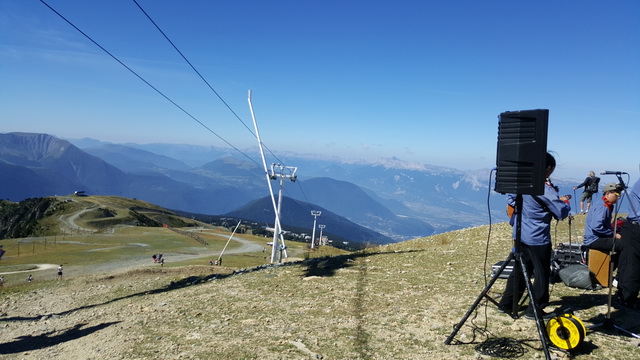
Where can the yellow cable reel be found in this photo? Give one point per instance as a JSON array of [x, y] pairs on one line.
[[566, 331]]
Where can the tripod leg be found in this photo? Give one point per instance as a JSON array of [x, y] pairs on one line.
[[534, 305], [480, 297]]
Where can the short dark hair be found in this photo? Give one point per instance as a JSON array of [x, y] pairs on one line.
[[551, 161]]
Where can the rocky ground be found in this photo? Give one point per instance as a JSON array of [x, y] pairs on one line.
[[394, 302]]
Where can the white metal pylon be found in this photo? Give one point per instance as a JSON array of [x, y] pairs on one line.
[[278, 234], [315, 214], [321, 227], [277, 227]]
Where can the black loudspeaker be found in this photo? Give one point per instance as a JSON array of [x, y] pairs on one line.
[[522, 151]]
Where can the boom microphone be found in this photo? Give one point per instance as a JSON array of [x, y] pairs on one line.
[[612, 172]]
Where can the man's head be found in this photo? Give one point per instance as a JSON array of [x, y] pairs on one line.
[[550, 165], [611, 192], [592, 174]]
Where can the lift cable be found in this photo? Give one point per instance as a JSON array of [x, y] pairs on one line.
[[165, 96], [213, 90], [146, 82], [200, 75]]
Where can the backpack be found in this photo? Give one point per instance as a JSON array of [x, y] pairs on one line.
[[593, 186], [578, 276]]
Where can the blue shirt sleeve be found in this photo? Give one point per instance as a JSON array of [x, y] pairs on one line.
[[634, 202], [557, 207], [598, 223], [536, 219]]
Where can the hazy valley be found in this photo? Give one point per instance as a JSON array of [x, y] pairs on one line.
[[395, 199]]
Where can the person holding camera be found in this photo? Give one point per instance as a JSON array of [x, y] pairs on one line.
[[590, 187]]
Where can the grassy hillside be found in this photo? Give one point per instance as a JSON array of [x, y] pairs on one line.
[[62, 215], [398, 301], [94, 234]]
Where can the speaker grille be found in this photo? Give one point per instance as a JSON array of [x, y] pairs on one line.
[[522, 149]]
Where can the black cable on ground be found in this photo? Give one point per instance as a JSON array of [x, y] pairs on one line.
[[501, 347]]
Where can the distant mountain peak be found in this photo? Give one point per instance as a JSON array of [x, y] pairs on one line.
[[31, 147], [396, 163]]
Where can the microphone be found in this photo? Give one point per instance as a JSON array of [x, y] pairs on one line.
[[605, 172]]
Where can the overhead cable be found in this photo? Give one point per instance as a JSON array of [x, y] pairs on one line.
[[200, 75], [145, 81], [213, 90]]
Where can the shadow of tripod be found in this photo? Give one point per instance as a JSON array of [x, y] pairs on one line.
[[519, 269]]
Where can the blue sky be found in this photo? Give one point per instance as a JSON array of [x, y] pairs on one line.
[[422, 81]]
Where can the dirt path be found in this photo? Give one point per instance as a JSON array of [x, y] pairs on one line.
[[39, 267], [70, 221]]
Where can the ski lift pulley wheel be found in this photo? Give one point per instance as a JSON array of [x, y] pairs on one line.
[[566, 331]]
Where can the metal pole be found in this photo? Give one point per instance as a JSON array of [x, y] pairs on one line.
[[275, 254], [320, 239], [225, 245], [313, 233], [266, 171], [315, 214]]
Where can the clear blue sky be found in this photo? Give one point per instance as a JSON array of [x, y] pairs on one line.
[[419, 80]]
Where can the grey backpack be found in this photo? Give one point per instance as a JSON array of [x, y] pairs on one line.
[[578, 276]]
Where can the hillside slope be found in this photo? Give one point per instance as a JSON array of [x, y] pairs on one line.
[[296, 214], [50, 216], [398, 301]]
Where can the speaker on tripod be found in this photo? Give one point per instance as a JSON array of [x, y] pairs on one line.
[[522, 150], [521, 169]]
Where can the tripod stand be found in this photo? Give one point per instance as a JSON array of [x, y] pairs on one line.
[[519, 270]]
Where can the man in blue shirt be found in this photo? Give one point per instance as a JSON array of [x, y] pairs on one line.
[[598, 232], [629, 266], [535, 244]]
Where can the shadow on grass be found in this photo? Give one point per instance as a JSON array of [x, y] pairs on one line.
[[36, 342], [619, 316], [361, 340], [325, 266], [620, 322], [328, 265], [173, 285], [317, 266]]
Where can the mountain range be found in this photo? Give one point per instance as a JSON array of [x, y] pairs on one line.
[[396, 200]]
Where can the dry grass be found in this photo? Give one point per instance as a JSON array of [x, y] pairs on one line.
[[394, 302]]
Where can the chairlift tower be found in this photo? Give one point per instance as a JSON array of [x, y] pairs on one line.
[[279, 171], [320, 239], [315, 214]]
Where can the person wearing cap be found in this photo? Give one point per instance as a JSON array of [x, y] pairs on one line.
[[590, 187], [629, 262], [598, 231]]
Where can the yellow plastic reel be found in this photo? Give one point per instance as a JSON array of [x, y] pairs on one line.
[[566, 331]]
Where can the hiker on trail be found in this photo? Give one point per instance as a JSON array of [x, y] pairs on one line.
[[30, 278], [590, 187], [60, 271]]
